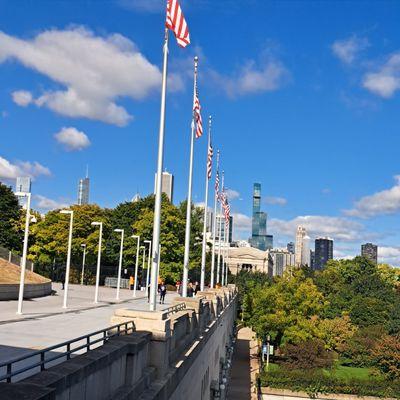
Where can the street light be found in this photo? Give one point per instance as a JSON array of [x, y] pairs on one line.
[[148, 265], [144, 256], [137, 263], [25, 250], [96, 293], [120, 260], [71, 215], [83, 262]]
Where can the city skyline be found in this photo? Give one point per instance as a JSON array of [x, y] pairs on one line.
[[336, 75]]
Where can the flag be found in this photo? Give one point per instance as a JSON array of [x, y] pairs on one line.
[[197, 114], [209, 160], [217, 183], [177, 23]]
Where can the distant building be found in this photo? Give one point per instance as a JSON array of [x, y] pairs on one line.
[[323, 252], [83, 191], [210, 217], [220, 225], [167, 185], [312, 259], [259, 238], [301, 233], [283, 259], [305, 255], [290, 247], [370, 251]]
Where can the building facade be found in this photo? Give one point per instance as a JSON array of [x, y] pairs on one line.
[[249, 259], [282, 261], [167, 185], [323, 252], [291, 247], [220, 225], [370, 251], [301, 233], [83, 191]]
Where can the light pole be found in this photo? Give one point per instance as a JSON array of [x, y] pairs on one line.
[[120, 260], [71, 221], [96, 293], [83, 262], [144, 257], [137, 263], [148, 265], [25, 250]]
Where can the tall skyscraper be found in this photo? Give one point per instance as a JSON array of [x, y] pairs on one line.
[[167, 184], [300, 235], [370, 251], [305, 255], [323, 252], [83, 190], [259, 237]]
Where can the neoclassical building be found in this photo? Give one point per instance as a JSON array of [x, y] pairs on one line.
[[249, 258]]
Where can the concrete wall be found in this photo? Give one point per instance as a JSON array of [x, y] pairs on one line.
[[176, 355], [31, 290]]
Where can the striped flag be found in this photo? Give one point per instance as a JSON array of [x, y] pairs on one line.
[[209, 160], [197, 114], [217, 183], [177, 23]]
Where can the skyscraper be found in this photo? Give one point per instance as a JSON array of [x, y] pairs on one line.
[[323, 252], [300, 235], [290, 247], [83, 190], [259, 237], [167, 184], [370, 251]]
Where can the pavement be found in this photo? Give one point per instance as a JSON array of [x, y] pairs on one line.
[[45, 323]]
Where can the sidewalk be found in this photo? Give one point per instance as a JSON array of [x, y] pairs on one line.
[[244, 367]]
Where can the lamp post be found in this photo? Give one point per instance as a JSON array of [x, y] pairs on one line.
[[121, 231], [148, 265], [144, 257], [25, 250], [71, 216], [96, 293], [137, 263], [83, 262]]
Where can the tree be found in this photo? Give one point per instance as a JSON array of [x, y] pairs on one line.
[[386, 356], [10, 236]]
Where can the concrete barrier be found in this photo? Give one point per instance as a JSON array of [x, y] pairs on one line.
[[9, 291]]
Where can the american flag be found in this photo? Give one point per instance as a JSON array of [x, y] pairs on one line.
[[197, 115], [217, 183], [177, 23], [209, 160]]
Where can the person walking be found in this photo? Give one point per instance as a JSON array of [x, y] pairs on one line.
[[163, 292], [131, 282]]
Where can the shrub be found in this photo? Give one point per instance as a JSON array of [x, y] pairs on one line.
[[310, 354], [386, 355]]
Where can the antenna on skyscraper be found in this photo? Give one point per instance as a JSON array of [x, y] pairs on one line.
[[87, 170]]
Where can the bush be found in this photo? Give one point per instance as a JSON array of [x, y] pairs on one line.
[[310, 354], [386, 355]]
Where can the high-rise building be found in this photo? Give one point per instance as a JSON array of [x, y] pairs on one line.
[[210, 215], [300, 235], [323, 252], [305, 255], [167, 184], [282, 260], [83, 191], [312, 259], [370, 251], [259, 238], [220, 225], [290, 247]]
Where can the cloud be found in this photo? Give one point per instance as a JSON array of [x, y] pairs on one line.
[[94, 71], [241, 223], [232, 194], [338, 228], [389, 255], [348, 49], [46, 204], [145, 6], [22, 97], [72, 139], [380, 203], [280, 201], [10, 171], [385, 81]]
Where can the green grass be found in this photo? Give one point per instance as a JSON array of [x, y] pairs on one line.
[[347, 373]]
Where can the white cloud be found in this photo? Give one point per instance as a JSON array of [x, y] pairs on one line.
[[338, 228], [380, 203], [22, 97], [232, 194], [72, 139], [10, 171], [241, 226], [280, 201], [389, 255], [385, 81], [348, 49], [95, 71], [46, 204]]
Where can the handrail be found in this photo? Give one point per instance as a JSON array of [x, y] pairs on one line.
[[176, 308], [107, 333]]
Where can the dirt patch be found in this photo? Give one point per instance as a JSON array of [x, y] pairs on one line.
[[10, 273]]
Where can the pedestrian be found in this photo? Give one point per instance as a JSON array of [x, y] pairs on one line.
[[131, 282], [163, 292], [196, 288], [190, 290], [178, 285], [148, 293]]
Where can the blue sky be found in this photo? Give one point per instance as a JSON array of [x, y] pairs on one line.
[[304, 98]]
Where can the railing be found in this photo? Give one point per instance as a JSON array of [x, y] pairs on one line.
[[89, 340], [14, 258], [112, 282], [174, 309]]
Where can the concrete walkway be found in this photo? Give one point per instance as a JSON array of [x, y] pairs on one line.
[[244, 367]]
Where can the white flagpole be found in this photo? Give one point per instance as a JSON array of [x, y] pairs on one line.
[[189, 196], [220, 234], [203, 254], [214, 229], [227, 251], [157, 204], [223, 258]]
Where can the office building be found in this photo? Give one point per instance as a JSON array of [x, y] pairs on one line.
[[282, 259], [83, 191], [220, 225], [370, 251], [210, 217], [312, 259], [290, 247], [323, 252], [259, 238], [301, 233], [167, 184]]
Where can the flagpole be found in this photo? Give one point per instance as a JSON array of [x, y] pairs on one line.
[[223, 259], [203, 253], [220, 234], [214, 230], [189, 197], [157, 203], [227, 251]]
